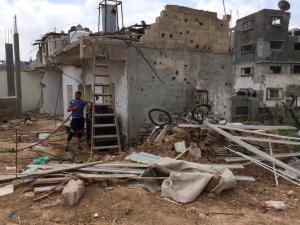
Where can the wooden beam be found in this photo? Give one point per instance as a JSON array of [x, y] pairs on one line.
[[252, 149], [258, 132], [279, 155], [267, 140]]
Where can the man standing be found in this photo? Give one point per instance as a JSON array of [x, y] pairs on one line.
[[76, 106]]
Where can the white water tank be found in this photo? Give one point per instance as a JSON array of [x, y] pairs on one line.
[[78, 32]]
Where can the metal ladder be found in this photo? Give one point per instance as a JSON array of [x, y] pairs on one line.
[[105, 129]]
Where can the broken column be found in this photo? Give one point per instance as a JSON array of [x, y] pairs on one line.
[[10, 69]]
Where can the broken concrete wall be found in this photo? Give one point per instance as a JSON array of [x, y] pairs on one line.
[[180, 27], [259, 31], [31, 88], [262, 80], [181, 72]]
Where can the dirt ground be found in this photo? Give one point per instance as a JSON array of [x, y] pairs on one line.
[[119, 203]]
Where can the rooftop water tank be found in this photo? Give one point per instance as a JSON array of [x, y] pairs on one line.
[[109, 18], [77, 32]]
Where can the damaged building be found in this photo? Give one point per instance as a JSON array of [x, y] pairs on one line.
[[181, 60], [266, 61]]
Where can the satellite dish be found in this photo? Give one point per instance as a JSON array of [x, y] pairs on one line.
[[284, 5]]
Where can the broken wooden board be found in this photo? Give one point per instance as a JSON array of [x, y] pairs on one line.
[[278, 156], [49, 188], [61, 169], [267, 140], [54, 180], [106, 176], [259, 127], [252, 149], [258, 133], [143, 157]]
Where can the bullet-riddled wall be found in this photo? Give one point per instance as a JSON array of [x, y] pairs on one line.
[[181, 72], [186, 28]]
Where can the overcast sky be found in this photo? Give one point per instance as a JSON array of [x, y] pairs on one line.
[[36, 17]]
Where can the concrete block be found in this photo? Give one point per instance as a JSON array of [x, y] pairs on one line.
[[164, 20], [173, 8], [72, 192]]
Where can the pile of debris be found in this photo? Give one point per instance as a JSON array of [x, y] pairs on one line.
[[178, 180], [170, 170]]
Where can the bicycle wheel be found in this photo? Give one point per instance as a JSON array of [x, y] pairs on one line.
[[200, 111], [159, 117]]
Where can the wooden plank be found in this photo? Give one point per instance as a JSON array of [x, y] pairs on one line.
[[59, 170], [106, 176], [259, 127], [228, 166], [265, 166], [244, 178], [258, 132], [252, 149], [112, 170], [54, 180], [267, 140], [100, 165], [278, 156], [49, 188]]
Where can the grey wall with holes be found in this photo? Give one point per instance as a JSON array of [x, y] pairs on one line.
[[181, 72]]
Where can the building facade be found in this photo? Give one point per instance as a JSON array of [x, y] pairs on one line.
[[181, 58], [267, 56]]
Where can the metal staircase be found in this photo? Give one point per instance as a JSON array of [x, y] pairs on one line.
[[105, 130]]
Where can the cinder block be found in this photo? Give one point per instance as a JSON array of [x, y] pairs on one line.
[[173, 8], [165, 20], [72, 192], [163, 27]]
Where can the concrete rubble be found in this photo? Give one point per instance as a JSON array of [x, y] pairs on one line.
[[72, 192]]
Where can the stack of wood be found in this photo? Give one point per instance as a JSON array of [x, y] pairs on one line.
[[47, 179]]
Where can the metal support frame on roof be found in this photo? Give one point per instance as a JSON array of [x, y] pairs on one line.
[[118, 5]]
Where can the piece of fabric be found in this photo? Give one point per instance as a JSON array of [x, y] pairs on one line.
[[187, 180], [79, 107]]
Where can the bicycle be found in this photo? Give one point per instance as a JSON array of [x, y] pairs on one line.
[[161, 117]]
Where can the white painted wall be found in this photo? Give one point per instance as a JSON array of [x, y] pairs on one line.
[[50, 91], [68, 72], [31, 89]]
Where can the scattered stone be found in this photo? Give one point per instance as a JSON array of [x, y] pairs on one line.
[[212, 195], [194, 150], [96, 215], [277, 205], [29, 194], [290, 193], [4, 127], [109, 157], [72, 192], [28, 122], [180, 147]]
